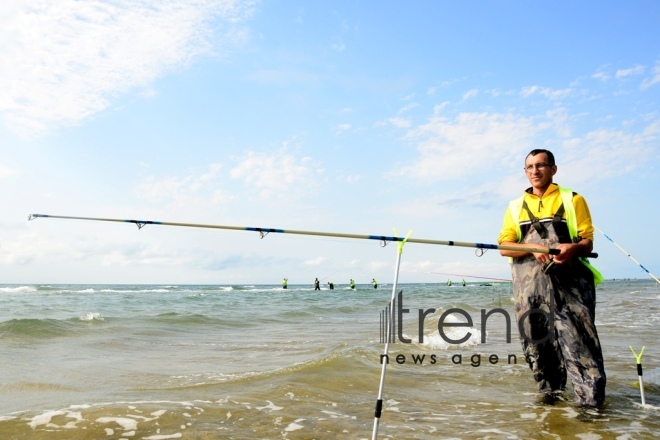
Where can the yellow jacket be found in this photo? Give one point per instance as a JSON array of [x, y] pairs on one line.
[[544, 208], [576, 214]]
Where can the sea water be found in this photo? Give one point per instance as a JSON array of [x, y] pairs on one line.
[[261, 362]]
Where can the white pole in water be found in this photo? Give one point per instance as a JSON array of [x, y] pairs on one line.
[[640, 372], [384, 357], [631, 257]]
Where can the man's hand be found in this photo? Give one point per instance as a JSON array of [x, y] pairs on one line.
[[569, 250], [566, 252]]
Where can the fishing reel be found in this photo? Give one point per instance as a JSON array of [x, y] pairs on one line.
[[549, 266]]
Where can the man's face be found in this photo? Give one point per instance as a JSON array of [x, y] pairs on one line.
[[538, 170]]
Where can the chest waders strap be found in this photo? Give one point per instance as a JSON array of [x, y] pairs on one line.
[[540, 229], [557, 218]]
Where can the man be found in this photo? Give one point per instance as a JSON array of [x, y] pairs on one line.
[[555, 295]]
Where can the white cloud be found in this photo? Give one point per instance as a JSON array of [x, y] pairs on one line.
[[142, 254], [276, 173], [545, 91], [440, 107], [558, 120], [637, 70], [400, 122], [5, 171], [351, 178], [654, 79], [470, 94], [592, 157], [338, 45], [205, 188], [468, 144], [284, 76], [315, 262], [602, 76], [63, 61], [341, 128], [19, 249], [407, 108]]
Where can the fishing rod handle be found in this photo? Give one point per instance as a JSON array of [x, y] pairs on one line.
[[557, 252]]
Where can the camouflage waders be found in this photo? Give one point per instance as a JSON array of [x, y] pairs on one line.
[[562, 341]]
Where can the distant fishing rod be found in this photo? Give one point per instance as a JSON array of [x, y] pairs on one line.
[[265, 231], [631, 257], [471, 276]]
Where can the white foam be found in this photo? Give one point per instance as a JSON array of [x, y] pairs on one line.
[[19, 289], [434, 340], [163, 437], [46, 418], [270, 406], [91, 316], [570, 413], [589, 436], [158, 413], [124, 422], [294, 426]]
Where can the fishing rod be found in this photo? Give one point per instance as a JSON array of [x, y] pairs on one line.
[[265, 231], [631, 257]]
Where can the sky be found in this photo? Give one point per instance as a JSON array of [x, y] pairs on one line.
[[370, 117]]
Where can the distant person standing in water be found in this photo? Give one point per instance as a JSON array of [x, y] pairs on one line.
[[375, 283], [317, 285], [352, 283], [284, 283], [331, 285]]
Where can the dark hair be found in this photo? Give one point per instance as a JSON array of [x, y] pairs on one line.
[[551, 157]]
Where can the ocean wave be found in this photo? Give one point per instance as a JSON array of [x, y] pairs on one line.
[[150, 290], [436, 341], [92, 316], [18, 289], [36, 329], [199, 320], [22, 387], [323, 365]]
